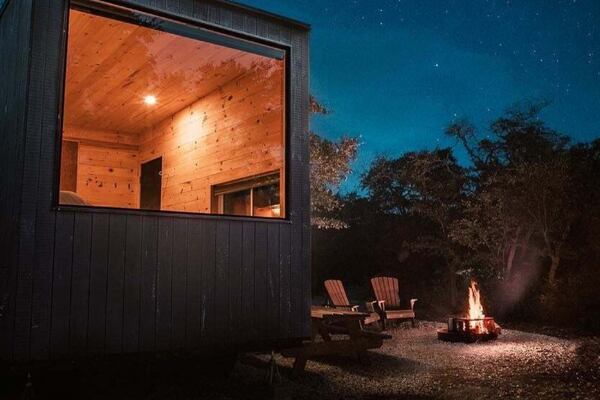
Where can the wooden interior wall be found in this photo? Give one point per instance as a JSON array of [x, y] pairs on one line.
[[108, 167], [68, 165], [234, 132], [131, 60]]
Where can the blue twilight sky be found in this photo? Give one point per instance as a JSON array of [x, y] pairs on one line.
[[396, 72]]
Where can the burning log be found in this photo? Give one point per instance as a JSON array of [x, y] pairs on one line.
[[475, 326]]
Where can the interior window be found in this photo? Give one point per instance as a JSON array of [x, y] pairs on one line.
[[237, 203], [256, 197], [159, 120]]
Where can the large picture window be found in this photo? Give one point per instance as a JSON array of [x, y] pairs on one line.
[[158, 120]]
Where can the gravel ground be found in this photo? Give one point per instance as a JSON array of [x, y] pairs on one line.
[[412, 365]]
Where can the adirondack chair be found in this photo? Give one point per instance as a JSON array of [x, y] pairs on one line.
[[386, 291], [339, 299]]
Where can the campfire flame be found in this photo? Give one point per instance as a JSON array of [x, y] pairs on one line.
[[476, 310]]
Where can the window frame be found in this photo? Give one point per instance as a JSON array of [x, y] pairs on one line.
[[191, 28], [250, 183]]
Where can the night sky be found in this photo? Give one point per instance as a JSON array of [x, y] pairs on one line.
[[396, 72]]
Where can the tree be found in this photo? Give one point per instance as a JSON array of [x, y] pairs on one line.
[[428, 184], [330, 165], [524, 196]]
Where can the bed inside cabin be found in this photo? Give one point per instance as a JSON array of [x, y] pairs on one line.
[[155, 120]]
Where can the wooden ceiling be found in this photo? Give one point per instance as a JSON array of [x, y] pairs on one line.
[[113, 65]]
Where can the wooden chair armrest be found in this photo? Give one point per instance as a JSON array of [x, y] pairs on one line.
[[371, 306], [412, 303], [351, 308], [377, 305]]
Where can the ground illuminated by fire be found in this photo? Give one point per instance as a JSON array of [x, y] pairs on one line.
[[415, 363]]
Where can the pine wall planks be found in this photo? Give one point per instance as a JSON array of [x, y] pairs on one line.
[[232, 133], [109, 282]]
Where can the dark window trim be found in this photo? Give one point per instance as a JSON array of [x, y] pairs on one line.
[[167, 213], [262, 13], [192, 24], [180, 28]]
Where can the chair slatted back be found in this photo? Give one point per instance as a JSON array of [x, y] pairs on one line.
[[337, 293], [386, 288]]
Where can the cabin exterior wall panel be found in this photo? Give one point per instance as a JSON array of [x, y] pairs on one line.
[[15, 283], [92, 282]]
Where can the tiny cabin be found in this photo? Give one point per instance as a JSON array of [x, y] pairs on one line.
[[155, 178]]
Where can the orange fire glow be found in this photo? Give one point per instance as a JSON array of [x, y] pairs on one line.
[[476, 310]]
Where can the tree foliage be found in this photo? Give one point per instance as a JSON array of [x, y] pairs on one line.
[[523, 215], [525, 194], [429, 184], [330, 165]]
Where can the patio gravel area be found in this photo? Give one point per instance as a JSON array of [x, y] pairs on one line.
[[411, 365], [414, 364]]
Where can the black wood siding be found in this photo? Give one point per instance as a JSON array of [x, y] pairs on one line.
[[15, 25], [108, 282]]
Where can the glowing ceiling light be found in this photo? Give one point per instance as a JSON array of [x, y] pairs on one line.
[[150, 100]]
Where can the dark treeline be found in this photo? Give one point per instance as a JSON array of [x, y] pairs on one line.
[[523, 219]]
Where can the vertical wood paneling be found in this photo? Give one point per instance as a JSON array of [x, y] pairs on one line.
[[273, 295], [235, 281], [170, 5], [207, 326], [261, 317], [14, 62], [43, 86], [212, 13], [163, 285], [132, 284], [194, 295], [98, 283], [284, 281], [237, 21], [250, 24], [249, 324], [297, 185], [80, 282], [226, 18], [273, 31], [302, 104], [222, 280], [201, 10], [61, 285], [180, 277], [115, 283], [186, 7], [286, 35], [148, 278]]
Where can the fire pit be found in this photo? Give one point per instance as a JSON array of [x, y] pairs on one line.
[[475, 327]]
